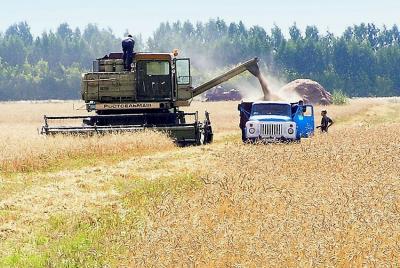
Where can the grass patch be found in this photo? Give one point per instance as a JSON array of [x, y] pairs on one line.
[[339, 97], [97, 240], [20, 259]]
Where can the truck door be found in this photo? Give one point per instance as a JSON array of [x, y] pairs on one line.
[[304, 119]]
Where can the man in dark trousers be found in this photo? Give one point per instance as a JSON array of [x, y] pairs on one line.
[[128, 45], [326, 122]]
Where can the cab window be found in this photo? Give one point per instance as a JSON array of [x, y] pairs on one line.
[[183, 71], [308, 111], [157, 68]]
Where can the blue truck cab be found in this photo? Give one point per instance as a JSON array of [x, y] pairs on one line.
[[276, 121]]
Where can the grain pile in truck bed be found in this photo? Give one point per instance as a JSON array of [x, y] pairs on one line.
[[310, 91]]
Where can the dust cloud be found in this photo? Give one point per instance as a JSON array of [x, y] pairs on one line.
[[265, 87]]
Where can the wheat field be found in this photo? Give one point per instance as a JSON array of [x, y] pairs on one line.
[[137, 200]]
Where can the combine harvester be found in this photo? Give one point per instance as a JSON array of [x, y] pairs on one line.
[[148, 97]]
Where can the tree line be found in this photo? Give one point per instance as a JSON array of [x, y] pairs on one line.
[[363, 61]]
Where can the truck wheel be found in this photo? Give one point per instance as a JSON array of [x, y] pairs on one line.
[[244, 139], [248, 141]]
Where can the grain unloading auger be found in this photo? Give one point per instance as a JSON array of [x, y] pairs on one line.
[[148, 97]]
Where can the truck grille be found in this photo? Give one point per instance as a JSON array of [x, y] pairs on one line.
[[271, 130]]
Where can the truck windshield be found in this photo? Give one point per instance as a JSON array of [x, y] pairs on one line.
[[271, 109]]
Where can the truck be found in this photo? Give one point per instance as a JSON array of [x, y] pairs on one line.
[[270, 121], [149, 96]]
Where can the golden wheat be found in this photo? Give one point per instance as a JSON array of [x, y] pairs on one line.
[[332, 200], [23, 149]]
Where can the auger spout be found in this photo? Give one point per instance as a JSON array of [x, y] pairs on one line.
[[251, 66]]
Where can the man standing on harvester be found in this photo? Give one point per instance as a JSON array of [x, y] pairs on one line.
[[128, 45]]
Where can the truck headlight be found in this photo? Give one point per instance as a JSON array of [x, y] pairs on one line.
[[252, 130], [290, 131]]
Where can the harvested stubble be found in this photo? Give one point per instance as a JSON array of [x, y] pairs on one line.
[[331, 201]]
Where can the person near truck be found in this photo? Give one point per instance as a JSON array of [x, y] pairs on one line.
[[296, 105], [326, 122], [128, 45]]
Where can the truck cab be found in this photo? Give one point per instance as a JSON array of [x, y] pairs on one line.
[[276, 121]]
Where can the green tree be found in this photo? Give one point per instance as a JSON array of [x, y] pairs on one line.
[[363, 61]]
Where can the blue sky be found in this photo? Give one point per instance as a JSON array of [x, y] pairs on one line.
[[144, 16]]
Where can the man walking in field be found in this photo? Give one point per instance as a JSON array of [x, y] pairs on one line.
[[326, 122], [128, 45]]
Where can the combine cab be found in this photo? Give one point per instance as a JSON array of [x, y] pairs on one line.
[[148, 97]]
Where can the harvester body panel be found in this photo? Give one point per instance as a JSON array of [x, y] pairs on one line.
[[108, 87]]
